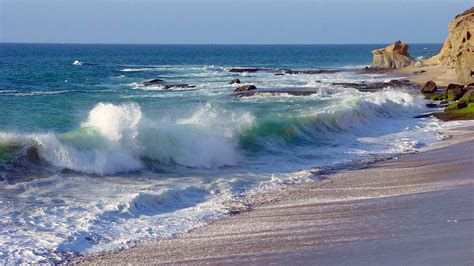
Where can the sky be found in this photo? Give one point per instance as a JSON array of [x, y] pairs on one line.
[[227, 21]]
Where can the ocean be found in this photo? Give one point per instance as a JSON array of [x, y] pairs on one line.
[[91, 159]]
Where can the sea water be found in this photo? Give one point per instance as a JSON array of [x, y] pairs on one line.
[[92, 160]]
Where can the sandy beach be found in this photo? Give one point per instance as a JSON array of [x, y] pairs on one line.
[[416, 210], [441, 75]]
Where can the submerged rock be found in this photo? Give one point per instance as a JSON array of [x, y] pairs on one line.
[[235, 81], [393, 56], [429, 87], [245, 88]]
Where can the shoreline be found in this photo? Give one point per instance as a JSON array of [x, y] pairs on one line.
[[271, 240]]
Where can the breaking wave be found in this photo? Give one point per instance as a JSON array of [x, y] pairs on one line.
[[119, 138]]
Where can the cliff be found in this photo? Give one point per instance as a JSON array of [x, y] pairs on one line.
[[458, 49]]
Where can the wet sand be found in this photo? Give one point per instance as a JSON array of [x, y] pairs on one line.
[[416, 210]]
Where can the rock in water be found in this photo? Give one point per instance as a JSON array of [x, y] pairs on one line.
[[235, 81], [458, 49], [393, 56], [245, 70], [429, 87], [178, 86], [454, 92], [245, 88]]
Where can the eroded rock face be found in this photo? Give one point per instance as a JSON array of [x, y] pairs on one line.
[[458, 49], [393, 56]]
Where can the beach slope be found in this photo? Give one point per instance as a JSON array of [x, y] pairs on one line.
[[415, 210]]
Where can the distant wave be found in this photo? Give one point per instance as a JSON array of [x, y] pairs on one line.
[[31, 93], [139, 69]]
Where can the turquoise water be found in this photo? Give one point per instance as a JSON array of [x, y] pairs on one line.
[[91, 159]]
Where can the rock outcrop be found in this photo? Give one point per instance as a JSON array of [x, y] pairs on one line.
[[429, 87], [454, 92], [458, 49], [393, 56]]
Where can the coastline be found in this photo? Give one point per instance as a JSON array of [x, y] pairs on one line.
[[332, 221]]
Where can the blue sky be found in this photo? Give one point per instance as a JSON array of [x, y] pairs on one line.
[[227, 21]]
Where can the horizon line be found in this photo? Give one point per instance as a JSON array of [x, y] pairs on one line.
[[87, 43]]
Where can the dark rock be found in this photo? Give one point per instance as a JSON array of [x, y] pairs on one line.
[[245, 88], [248, 70], [461, 105], [350, 85], [152, 82], [429, 87], [431, 105], [454, 92], [373, 86], [424, 115], [371, 70], [281, 92], [419, 72], [235, 81], [279, 74], [178, 86]]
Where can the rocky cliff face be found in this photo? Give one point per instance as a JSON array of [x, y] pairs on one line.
[[458, 50], [393, 56]]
